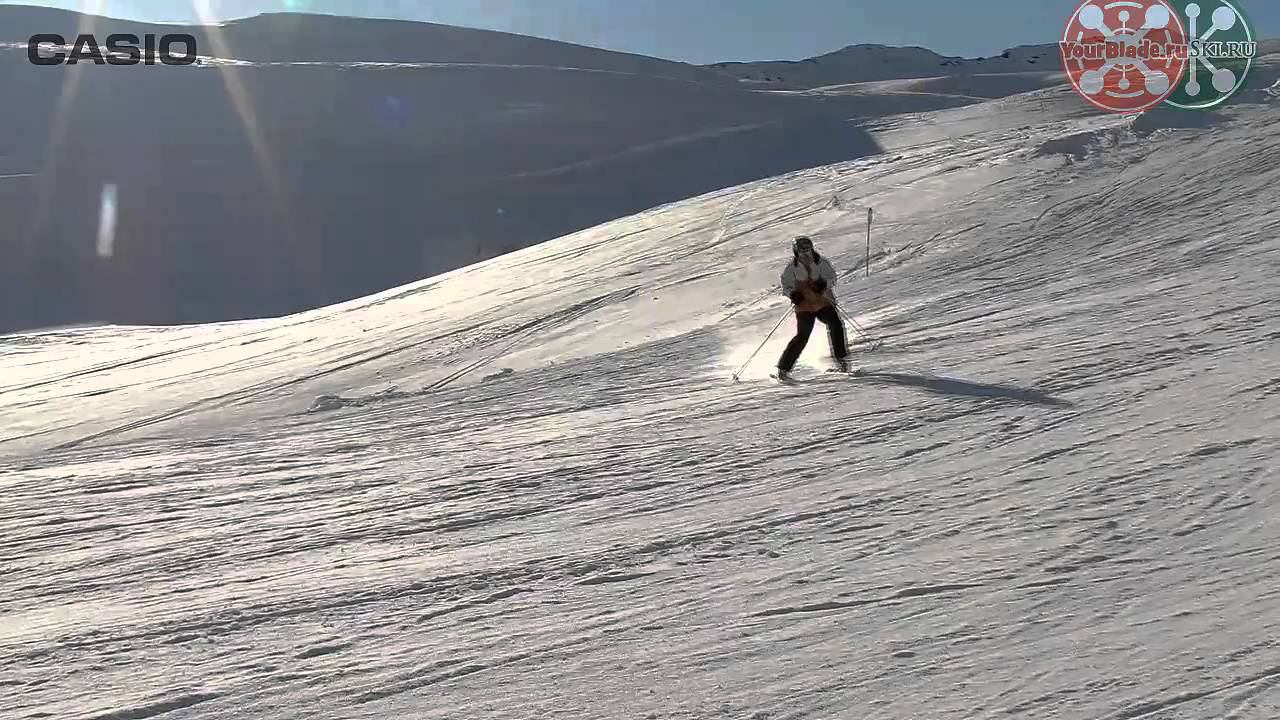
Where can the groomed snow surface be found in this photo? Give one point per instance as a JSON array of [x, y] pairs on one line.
[[530, 489]]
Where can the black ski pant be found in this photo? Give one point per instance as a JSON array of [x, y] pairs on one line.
[[804, 327]]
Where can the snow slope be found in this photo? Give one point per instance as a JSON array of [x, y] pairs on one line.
[[528, 488], [966, 88]]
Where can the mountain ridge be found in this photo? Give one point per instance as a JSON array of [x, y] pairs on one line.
[[869, 62], [309, 37], [873, 62]]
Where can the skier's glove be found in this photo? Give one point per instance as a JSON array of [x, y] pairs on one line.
[[796, 296], [820, 284]]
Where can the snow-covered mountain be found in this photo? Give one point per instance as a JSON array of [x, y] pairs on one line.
[[528, 488], [319, 159], [307, 37], [250, 188], [868, 62], [1031, 66]]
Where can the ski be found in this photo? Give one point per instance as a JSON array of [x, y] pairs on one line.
[[829, 373], [851, 372]]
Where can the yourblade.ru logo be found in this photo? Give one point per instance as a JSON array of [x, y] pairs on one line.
[[1127, 56], [1222, 46]]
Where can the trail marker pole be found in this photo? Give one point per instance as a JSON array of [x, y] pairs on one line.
[[870, 212]]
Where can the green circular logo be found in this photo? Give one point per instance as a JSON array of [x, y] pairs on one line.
[[1221, 46]]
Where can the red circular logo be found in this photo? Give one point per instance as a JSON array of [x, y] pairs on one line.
[[1125, 56]]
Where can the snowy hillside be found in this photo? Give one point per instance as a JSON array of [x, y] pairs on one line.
[[253, 188], [299, 37], [962, 89], [319, 159], [529, 489]]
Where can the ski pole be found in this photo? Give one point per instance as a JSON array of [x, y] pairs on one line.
[[762, 344], [855, 325]]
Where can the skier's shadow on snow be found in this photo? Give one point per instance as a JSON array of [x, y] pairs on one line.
[[953, 386]]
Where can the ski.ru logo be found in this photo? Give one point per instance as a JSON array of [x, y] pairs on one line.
[[1128, 56], [1221, 51], [1125, 56]]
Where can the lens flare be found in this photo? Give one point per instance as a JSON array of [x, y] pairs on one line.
[[107, 221]]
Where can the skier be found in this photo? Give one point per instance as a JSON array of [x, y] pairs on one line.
[[809, 280]]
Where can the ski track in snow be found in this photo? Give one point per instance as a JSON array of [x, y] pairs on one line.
[[532, 490]]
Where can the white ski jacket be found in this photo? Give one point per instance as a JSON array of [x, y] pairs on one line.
[[797, 274]]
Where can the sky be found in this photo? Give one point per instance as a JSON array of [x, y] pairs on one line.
[[698, 31]]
